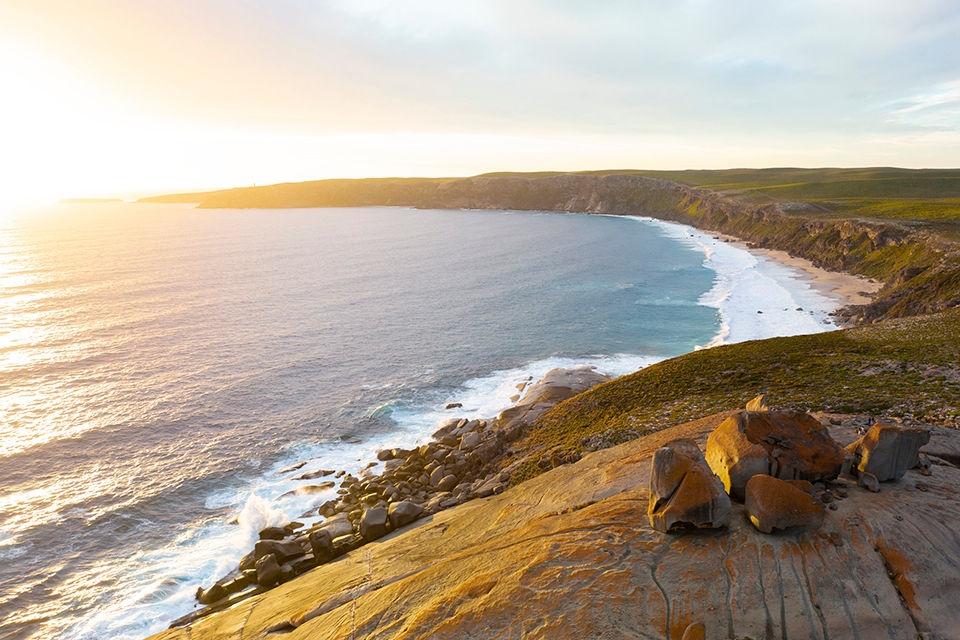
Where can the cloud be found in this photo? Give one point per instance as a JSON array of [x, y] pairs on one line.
[[811, 80]]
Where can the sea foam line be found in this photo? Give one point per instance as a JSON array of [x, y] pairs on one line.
[[755, 296]]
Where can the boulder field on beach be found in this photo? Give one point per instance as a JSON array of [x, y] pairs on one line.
[[466, 459], [576, 551]]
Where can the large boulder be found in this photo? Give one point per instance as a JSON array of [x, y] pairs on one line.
[[772, 503], [557, 385], [337, 525], [321, 543], [684, 492], [887, 451], [403, 513], [785, 444], [373, 523], [282, 549], [269, 573]]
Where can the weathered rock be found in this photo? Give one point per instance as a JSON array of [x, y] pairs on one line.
[[488, 450], [268, 571], [273, 533], [321, 542], [338, 525], [557, 385], [783, 444], [282, 549], [684, 492], [447, 483], [313, 475], [211, 595], [403, 513], [437, 475], [310, 489], [695, 631], [373, 523], [772, 503], [887, 451], [302, 564], [757, 404], [560, 556], [469, 440]]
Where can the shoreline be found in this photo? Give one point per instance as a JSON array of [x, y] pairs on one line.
[[263, 511], [846, 288], [849, 288], [726, 257], [762, 293]]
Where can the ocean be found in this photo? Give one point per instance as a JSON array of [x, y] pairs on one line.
[[162, 367]]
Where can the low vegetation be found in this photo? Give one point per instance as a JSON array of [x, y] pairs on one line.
[[907, 367]]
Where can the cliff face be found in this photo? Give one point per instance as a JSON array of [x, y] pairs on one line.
[[569, 554], [921, 272]]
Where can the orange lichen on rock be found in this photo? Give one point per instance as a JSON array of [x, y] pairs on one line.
[[784, 444]]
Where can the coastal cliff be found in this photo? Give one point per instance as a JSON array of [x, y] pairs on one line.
[[917, 262], [562, 546]]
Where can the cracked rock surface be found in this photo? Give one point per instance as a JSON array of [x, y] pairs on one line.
[[570, 554]]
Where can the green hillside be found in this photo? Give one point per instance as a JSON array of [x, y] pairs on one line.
[[905, 367]]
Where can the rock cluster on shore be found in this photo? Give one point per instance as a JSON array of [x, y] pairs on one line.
[[564, 555], [461, 462], [779, 464]]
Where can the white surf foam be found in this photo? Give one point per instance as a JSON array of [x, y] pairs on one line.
[[756, 296]]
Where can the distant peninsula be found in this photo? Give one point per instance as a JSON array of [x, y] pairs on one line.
[[898, 226]]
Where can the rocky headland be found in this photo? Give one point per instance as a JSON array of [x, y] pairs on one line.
[[583, 550], [648, 506], [465, 459]]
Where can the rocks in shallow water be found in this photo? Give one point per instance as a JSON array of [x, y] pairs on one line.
[[282, 549], [313, 475], [373, 523], [783, 444], [886, 452], [684, 492], [273, 533], [772, 503], [310, 489]]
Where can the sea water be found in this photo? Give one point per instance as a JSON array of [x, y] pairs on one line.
[[163, 367]]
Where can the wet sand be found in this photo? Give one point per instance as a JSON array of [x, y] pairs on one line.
[[852, 289]]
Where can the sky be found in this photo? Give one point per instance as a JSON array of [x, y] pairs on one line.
[[124, 97]]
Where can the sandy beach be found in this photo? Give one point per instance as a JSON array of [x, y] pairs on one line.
[[847, 287], [850, 288]]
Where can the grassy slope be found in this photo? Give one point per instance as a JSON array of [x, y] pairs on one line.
[[903, 367], [884, 193]]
